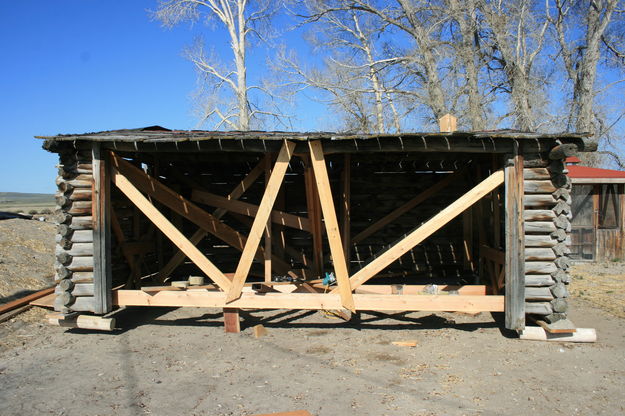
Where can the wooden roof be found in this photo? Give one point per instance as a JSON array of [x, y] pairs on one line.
[[161, 134], [156, 138]]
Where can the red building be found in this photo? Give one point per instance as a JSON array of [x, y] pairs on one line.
[[598, 223]]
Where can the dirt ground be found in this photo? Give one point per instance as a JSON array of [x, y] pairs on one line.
[[167, 361]]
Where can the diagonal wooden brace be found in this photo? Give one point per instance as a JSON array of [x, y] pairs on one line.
[[169, 230], [427, 229], [262, 216]]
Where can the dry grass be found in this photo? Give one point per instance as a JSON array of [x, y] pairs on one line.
[[601, 284], [26, 256]]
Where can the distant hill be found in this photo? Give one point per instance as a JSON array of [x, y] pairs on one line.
[[17, 201]]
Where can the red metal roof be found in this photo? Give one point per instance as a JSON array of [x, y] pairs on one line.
[[576, 171]]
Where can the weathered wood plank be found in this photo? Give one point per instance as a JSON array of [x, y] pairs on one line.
[[539, 267], [515, 268], [539, 187], [539, 280], [102, 272], [539, 215], [539, 254], [543, 227]]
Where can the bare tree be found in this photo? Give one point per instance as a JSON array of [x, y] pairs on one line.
[[590, 19], [469, 58], [354, 74], [517, 31], [229, 104]]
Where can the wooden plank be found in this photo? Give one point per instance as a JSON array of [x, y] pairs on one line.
[[398, 212], [427, 229], [331, 223], [311, 301], [176, 237], [250, 210], [17, 303], [262, 216], [515, 245], [46, 301], [267, 253], [293, 413], [346, 205], [102, 272]]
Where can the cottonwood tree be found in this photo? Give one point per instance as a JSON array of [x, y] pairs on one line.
[[228, 104], [354, 76], [516, 30], [581, 31]]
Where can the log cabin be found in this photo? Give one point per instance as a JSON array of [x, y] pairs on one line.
[[448, 221]]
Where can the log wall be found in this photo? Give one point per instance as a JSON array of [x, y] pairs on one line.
[[547, 217], [74, 239]]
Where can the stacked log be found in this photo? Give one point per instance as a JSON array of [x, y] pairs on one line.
[[74, 239], [547, 217]]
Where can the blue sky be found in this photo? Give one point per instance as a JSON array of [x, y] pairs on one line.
[[72, 66]]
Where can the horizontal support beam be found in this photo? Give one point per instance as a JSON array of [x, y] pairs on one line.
[[250, 210], [405, 143], [310, 301]]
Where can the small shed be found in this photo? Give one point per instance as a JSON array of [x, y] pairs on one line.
[[598, 223], [458, 221]]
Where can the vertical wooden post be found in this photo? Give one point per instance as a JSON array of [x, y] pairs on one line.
[[515, 244], [467, 237], [596, 199], [331, 223], [267, 252], [314, 214], [102, 277], [232, 321], [346, 208]]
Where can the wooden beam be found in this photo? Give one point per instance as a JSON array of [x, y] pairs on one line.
[[331, 223], [427, 229], [200, 234], [18, 303], [169, 230], [311, 301], [232, 321], [267, 263], [314, 214], [187, 209], [135, 272], [264, 211], [250, 210], [398, 212], [102, 274], [346, 204], [515, 258]]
